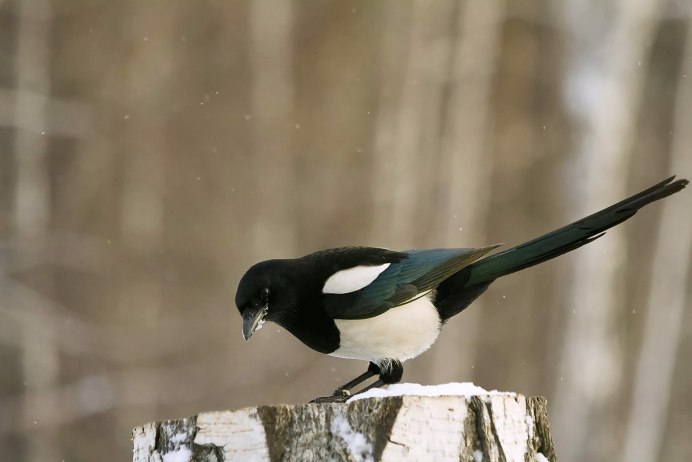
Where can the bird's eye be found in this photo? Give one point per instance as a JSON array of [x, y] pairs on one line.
[[264, 295]]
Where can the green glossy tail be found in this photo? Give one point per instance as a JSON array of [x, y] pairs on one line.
[[568, 237]]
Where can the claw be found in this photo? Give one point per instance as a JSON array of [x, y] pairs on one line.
[[332, 399], [341, 392]]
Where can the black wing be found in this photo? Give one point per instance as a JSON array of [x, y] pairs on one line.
[[411, 277]]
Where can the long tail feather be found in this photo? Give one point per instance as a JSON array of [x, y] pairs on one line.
[[569, 237]]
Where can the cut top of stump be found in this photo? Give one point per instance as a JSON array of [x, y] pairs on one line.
[[431, 424]]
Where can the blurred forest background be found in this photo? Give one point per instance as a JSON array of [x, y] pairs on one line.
[[151, 151]]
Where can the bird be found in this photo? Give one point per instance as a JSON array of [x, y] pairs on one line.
[[385, 306]]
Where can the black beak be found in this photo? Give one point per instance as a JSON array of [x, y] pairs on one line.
[[253, 320]]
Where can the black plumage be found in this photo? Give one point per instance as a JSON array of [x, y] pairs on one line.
[[387, 306]]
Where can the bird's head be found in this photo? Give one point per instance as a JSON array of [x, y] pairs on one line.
[[263, 295]]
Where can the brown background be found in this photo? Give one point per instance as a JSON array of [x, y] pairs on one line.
[[151, 151]]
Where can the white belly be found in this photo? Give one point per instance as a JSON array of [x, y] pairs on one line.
[[401, 333]]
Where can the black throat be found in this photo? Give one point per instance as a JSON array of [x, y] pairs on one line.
[[307, 319]]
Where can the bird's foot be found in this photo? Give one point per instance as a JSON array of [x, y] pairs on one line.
[[339, 396], [342, 392], [391, 374]]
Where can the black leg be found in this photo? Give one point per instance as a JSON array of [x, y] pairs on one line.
[[372, 371], [390, 371], [376, 384], [342, 393]]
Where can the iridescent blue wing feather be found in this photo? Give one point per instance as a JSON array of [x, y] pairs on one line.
[[414, 276]]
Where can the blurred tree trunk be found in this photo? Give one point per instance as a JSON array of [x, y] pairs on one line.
[[142, 210], [406, 140], [395, 47], [143, 187], [527, 138], [273, 173], [605, 96], [465, 164], [40, 355], [667, 300]]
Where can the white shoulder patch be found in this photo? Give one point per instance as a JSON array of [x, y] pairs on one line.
[[352, 279]]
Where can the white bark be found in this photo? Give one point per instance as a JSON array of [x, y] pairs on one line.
[[504, 427]]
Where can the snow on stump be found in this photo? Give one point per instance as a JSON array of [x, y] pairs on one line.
[[406, 422]]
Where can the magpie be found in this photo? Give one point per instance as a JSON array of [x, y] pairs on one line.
[[385, 306]]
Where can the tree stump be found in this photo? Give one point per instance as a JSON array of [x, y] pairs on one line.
[[480, 428]]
